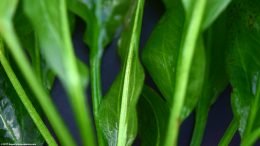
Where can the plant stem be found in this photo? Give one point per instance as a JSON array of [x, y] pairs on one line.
[[251, 139], [79, 107], [200, 124], [95, 71], [74, 86], [135, 36], [183, 70], [96, 93], [253, 110], [26, 101], [229, 134], [95, 82], [42, 97]]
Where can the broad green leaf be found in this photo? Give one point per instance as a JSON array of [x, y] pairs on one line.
[[16, 126], [153, 114], [160, 58], [54, 42], [120, 125], [215, 78], [54, 36], [244, 63], [213, 9]]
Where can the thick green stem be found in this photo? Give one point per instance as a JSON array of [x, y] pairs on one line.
[[26, 101], [74, 87], [183, 70], [200, 124], [78, 103], [229, 134], [96, 93], [42, 97]]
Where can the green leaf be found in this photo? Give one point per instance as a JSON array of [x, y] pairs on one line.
[[153, 115], [161, 63], [120, 125], [53, 31], [54, 42], [244, 64], [16, 126]]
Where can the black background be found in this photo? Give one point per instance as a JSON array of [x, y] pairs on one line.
[[220, 114]]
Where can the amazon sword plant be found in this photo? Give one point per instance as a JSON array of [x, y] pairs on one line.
[[193, 53]]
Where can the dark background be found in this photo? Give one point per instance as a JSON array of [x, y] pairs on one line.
[[220, 114]]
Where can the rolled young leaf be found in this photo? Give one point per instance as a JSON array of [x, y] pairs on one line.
[[120, 125]]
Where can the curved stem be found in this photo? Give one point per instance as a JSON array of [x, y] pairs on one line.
[[26, 101], [42, 97], [200, 124], [229, 134], [183, 70]]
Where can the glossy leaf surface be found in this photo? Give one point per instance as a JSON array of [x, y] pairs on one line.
[[16, 126]]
